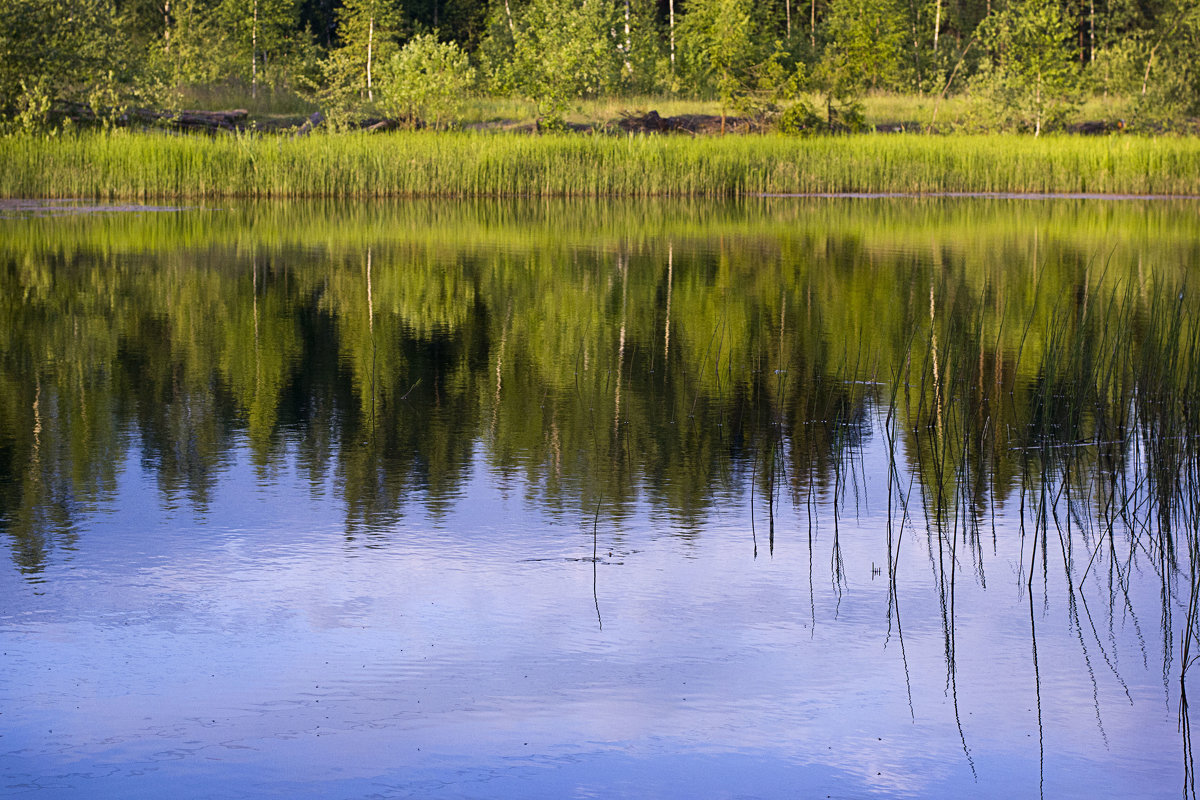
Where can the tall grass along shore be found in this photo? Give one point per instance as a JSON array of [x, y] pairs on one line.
[[127, 165]]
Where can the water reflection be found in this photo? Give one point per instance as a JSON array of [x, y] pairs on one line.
[[916, 480]]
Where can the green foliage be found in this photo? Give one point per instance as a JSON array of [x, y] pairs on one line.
[[718, 47], [771, 83], [1156, 65], [1025, 63], [369, 31], [426, 81], [799, 119], [196, 52], [646, 68], [865, 46], [1031, 80], [33, 106], [260, 33], [496, 49], [55, 52], [863, 53], [562, 50]]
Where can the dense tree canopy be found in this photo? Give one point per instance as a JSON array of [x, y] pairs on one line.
[[1028, 58]]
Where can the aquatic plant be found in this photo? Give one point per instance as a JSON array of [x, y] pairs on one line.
[[408, 164]]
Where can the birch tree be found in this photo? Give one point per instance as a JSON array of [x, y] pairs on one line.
[[1032, 77], [261, 31], [368, 30]]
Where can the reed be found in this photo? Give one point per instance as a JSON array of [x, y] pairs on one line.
[[145, 166]]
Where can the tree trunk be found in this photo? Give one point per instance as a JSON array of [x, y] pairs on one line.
[[1091, 30], [254, 53], [1149, 63], [671, 11], [370, 45], [1150, 59], [812, 25], [628, 65], [787, 10], [1037, 105], [508, 13], [937, 24], [167, 26], [962, 55]]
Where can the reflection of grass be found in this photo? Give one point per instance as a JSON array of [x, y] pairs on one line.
[[1097, 418], [464, 164], [1098, 444]]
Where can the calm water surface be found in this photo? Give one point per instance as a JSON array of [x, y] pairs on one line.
[[798, 497]]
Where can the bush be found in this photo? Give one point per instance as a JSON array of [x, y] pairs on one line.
[[800, 119], [426, 81]]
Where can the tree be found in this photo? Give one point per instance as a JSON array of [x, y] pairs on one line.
[[1032, 76], [261, 30], [427, 80], [187, 55], [368, 30], [718, 47], [61, 51], [1154, 61], [561, 50], [646, 67], [863, 51]]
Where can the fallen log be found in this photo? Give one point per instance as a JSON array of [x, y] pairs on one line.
[[80, 113], [381, 126]]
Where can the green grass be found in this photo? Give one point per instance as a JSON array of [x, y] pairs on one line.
[[955, 111], [269, 102], [407, 164]]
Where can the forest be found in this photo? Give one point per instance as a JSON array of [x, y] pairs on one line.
[[795, 65]]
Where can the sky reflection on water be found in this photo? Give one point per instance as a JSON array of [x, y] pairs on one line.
[[261, 652]]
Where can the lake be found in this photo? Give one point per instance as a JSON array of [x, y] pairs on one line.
[[786, 497]]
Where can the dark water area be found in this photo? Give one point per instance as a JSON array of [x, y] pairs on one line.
[[847, 497]]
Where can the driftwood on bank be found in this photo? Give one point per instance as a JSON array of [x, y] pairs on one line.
[[199, 120], [651, 122], [379, 126], [235, 120]]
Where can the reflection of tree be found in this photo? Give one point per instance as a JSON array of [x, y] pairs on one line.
[[642, 356]]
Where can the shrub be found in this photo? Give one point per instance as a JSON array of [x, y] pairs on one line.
[[426, 81]]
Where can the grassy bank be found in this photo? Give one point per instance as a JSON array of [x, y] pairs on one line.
[[890, 109], [154, 166]]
